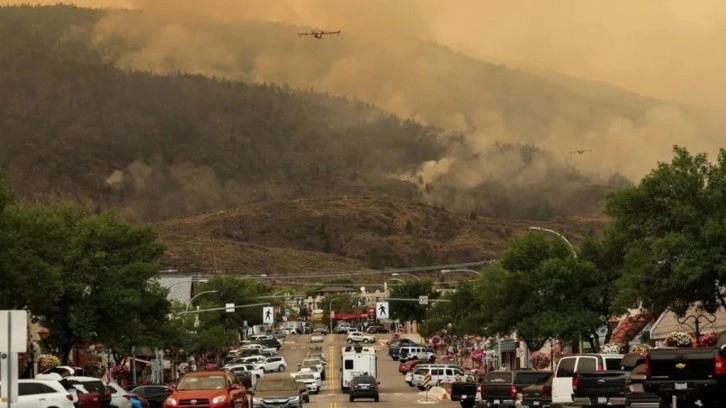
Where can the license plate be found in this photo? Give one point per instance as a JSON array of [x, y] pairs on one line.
[[497, 401], [602, 400], [535, 403], [681, 386]]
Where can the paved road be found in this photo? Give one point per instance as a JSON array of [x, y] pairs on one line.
[[394, 391]]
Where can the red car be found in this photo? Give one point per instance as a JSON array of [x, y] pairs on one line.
[[209, 389], [409, 365]]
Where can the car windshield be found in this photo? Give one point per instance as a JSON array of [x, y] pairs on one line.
[[212, 382], [276, 385], [363, 379], [311, 362], [304, 377]]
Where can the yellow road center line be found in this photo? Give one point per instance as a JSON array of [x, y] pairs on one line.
[[331, 371]]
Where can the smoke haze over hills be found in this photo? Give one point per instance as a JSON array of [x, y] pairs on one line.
[[669, 49]]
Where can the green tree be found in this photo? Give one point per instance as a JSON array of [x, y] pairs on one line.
[[407, 310], [674, 223], [540, 290], [107, 271]]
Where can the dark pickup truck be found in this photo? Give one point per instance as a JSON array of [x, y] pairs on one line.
[[504, 388], [605, 388], [691, 376], [539, 395], [600, 388]]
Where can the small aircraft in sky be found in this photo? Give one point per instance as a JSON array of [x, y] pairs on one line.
[[319, 34], [580, 151]]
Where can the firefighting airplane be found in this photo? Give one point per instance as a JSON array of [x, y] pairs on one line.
[[583, 151], [319, 34]]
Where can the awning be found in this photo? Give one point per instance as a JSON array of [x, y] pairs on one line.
[[669, 322], [349, 316]]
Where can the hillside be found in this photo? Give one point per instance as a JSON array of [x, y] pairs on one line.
[[342, 233], [157, 146]]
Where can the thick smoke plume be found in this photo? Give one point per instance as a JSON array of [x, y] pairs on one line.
[[669, 49]]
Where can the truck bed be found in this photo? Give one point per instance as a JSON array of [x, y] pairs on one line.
[[601, 388]]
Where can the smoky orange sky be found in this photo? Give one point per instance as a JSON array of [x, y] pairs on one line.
[[669, 49]]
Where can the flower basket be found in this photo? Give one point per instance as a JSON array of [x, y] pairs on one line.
[[47, 361], [708, 340], [95, 369], [678, 339], [539, 360], [639, 348], [611, 348]]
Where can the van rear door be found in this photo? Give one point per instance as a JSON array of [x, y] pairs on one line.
[[562, 381]]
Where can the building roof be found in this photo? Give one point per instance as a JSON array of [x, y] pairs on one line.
[[669, 322]]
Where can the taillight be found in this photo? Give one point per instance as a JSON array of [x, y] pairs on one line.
[[647, 366], [69, 396], [513, 391], [575, 382], [600, 368], [719, 367], [628, 382], [547, 390]]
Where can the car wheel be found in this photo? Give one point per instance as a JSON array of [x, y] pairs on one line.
[[281, 368], [306, 399], [322, 376], [376, 398], [366, 341], [422, 388], [350, 341], [351, 398]]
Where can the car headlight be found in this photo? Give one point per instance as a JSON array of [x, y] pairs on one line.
[[257, 400], [171, 402], [219, 399], [295, 399]]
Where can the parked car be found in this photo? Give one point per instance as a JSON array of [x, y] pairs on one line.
[[358, 337], [154, 394], [35, 393], [363, 386], [92, 392], [505, 387], [120, 398], [409, 365], [272, 364], [376, 329]]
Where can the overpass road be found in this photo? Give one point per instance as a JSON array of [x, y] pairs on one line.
[[394, 392]]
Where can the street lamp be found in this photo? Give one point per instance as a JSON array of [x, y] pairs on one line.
[[460, 270], [569, 244], [398, 280], [406, 274], [197, 295], [330, 314]]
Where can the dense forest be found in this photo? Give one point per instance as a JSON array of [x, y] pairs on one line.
[[76, 124]]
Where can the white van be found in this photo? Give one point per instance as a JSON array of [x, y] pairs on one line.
[[355, 363], [407, 353], [440, 374], [567, 367]]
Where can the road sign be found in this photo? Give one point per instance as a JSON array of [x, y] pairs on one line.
[[229, 307], [520, 352], [382, 311], [318, 314], [427, 381], [371, 313], [14, 329], [268, 315], [423, 300]]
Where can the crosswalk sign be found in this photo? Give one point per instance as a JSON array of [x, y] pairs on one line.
[[268, 315], [382, 311]]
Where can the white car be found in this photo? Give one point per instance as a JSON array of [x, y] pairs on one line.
[[310, 382], [259, 348], [270, 364], [42, 394], [247, 367], [309, 371], [358, 337], [251, 360], [317, 338], [119, 396], [314, 363]]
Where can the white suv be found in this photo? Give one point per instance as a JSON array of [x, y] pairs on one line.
[[272, 364], [42, 394], [358, 337]]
